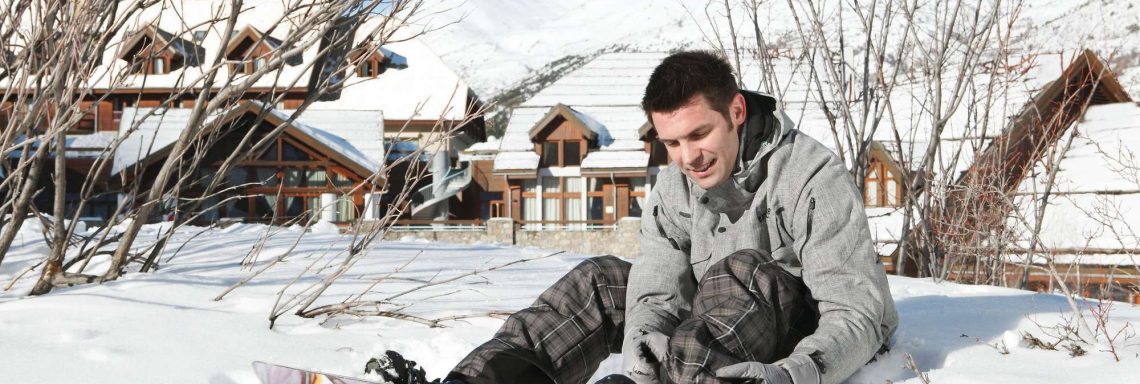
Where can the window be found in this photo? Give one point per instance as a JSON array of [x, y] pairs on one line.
[[289, 152], [881, 186], [636, 196], [345, 209], [270, 154], [264, 206], [596, 200], [367, 68], [137, 66], [313, 205], [315, 178], [341, 181], [551, 199], [237, 208], [292, 177], [561, 153], [570, 154], [238, 176], [158, 66], [530, 210], [294, 206], [572, 196], [117, 105], [258, 64], [550, 154], [562, 201], [494, 205]]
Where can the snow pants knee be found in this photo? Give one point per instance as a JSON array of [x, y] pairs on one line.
[[746, 308]]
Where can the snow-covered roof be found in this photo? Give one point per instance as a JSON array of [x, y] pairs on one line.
[[605, 95], [91, 145], [516, 161], [600, 160], [965, 133], [355, 134], [491, 145], [425, 88], [1096, 194], [154, 132], [608, 91]]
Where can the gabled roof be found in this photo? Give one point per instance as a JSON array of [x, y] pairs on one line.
[[156, 135], [417, 86], [603, 96], [879, 152], [1086, 81], [1095, 197], [191, 52], [589, 128], [979, 199], [256, 37]]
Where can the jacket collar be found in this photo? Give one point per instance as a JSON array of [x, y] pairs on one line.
[[765, 125]]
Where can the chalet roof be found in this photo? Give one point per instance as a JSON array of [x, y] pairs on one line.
[[352, 135], [605, 95], [516, 161], [425, 88], [1096, 194], [191, 52]]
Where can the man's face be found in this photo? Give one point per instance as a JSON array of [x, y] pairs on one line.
[[701, 140]]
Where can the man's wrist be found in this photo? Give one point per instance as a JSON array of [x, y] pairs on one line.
[[802, 368]]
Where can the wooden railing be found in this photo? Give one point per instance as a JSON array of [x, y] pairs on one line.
[[439, 225], [568, 225]]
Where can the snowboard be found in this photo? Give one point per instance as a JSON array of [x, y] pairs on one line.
[[278, 374]]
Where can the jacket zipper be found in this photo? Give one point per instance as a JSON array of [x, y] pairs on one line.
[[807, 231]]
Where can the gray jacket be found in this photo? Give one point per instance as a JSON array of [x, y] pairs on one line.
[[789, 195]]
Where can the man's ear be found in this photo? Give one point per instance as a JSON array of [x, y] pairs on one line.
[[737, 110]]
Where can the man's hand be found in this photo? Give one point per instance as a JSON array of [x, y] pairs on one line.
[[795, 369], [643, 357]]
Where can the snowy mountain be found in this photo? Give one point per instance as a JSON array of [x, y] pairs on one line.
[[498, 43], [502, 46]]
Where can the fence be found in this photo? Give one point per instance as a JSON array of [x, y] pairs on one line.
[[576, 237]]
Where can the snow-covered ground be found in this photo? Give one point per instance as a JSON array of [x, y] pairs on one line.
[[165, 326]]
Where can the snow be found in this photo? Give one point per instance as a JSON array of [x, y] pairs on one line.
[[355, 134], [616, 160], [91, 145], [152, 133], [165, 326], [1098, 184], [420, 86], [496, 43], [516, 161]]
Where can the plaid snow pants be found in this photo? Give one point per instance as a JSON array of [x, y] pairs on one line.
[[746, 308]]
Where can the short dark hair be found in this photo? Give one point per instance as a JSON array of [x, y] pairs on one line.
[[685, 74]]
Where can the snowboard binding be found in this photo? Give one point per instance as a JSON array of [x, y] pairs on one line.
[[395, 369]]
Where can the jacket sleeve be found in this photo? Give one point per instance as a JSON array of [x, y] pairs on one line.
[[840, 267], [661, 282]]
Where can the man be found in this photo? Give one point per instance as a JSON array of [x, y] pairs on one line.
[[756, 261]]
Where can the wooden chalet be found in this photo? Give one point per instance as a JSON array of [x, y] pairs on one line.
[[403, 85]]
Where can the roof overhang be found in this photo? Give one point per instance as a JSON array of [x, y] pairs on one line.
[[265, 116], [563, 111]]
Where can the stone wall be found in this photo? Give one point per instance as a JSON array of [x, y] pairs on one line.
[[620, 240]]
